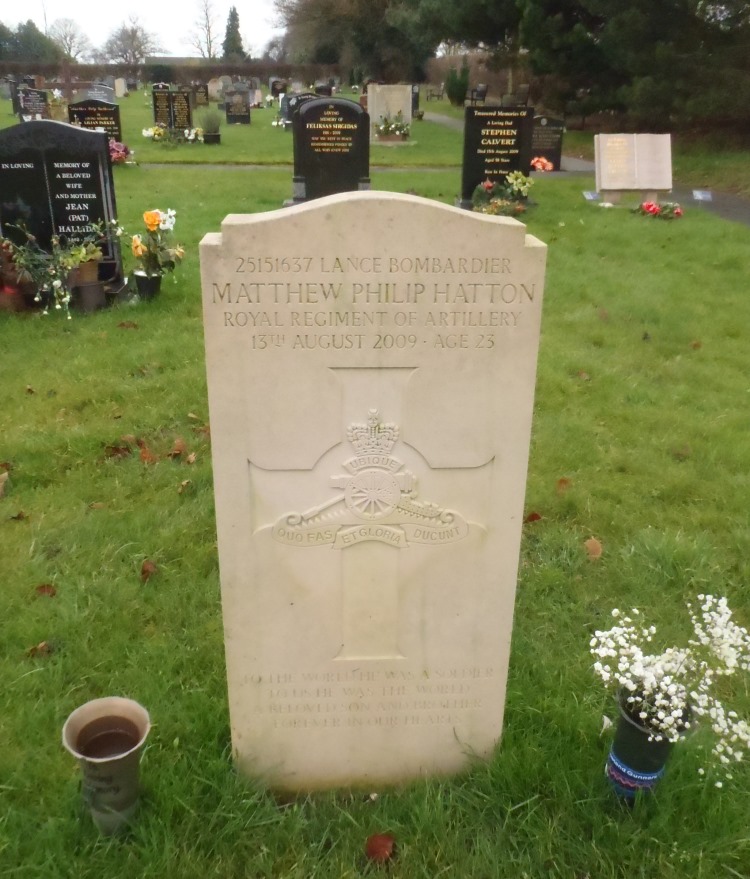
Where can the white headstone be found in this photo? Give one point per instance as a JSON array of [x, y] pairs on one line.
[[214, 89], [633, 162], [388, 100], [121, 88], [371, 361]]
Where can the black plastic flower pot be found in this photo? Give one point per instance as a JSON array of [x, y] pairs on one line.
[[636, 760]]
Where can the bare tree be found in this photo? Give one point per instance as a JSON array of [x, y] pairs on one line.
[[203, 38], [130, 44], [66, 34]]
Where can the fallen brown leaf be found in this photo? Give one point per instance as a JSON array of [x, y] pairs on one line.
[[147, 456], [191, 458], [46, 589], [129, 439], [43, 648], [97, 505], [148, 569], [584, 376], [380, 847], [19, 517], [696, 344], [184, 486], [563, 484], [3, 481], [178, 449], [533, 517], [30, 390], [127, 325], [593, 548], [603, 315]]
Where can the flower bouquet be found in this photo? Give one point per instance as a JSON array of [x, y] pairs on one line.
[[540, 163], [668, 210], [395, 127], [154, 251], [119, 153], [663, 693], [504, 198]]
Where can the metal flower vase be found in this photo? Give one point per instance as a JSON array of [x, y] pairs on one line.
[[636, 760]]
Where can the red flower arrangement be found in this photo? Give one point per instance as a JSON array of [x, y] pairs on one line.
[[669, 210]]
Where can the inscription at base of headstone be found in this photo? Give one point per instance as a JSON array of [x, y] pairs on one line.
[[369, 499], [331, 147], [96, 115], [635, 162], [56, 178], [547, 142], [497, 140]]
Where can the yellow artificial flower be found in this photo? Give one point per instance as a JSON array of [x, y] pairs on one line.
[[152, 219], [139, 248]]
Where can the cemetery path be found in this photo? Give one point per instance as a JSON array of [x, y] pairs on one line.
[[723, 204]]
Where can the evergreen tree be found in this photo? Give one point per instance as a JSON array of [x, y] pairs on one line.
[[232, 45]]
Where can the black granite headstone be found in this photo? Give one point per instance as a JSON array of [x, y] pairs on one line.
[[33, 104], [57, 179], [277, 86], [99, 91], [497, 140], [331, 147], [93, 114], [172, 109], [547, 139], [237, 106]]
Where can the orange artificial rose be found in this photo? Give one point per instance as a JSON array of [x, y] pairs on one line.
[[152, 219]]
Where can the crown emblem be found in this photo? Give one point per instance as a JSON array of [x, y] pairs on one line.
[[373, 436]]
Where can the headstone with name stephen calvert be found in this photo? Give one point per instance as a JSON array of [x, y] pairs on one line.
[[93, 114], [369, 499], [56, 178], [331, 148], [497, 140]]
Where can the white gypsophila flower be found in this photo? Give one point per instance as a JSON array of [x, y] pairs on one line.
[[662, 690]]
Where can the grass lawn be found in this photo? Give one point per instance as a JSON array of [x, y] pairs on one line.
[[639, 440]]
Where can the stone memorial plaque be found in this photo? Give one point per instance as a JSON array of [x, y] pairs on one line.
[[96, 115], [57, 179], [33, 104], [371, 362], [331, 147], [641, 162], [497, 140], [388, 100], [547, 140]]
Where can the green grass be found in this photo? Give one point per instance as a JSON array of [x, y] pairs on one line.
[[641, 400]]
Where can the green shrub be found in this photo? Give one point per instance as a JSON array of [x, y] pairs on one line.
[[457, 84]]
